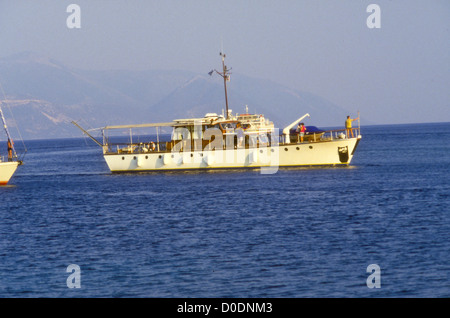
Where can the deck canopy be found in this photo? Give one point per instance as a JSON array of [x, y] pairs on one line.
[[139, 126], [175, 123]]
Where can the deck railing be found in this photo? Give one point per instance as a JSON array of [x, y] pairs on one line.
[[319, 136]]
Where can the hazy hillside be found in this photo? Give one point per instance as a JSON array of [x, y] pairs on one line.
[[45, 96]]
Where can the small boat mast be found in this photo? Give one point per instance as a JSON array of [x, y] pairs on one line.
[[10, 141]]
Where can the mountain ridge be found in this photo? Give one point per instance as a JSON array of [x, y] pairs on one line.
[[45, 96]]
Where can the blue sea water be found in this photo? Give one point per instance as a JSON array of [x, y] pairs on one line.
[[309, 232]]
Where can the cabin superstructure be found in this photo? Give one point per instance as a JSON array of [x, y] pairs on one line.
[[196, 134]]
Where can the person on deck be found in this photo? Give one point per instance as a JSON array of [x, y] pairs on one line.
[[10, 148], [240, 135], [301, 129], [348, 126]]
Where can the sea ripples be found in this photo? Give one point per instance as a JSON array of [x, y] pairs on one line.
[[296, 233]]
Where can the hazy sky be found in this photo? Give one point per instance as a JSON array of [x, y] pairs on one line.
[[399, 73]]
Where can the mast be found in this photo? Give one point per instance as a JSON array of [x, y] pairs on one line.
[[226, 77], [5, 127]]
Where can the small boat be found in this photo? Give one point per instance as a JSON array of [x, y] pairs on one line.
[[227, 141], [8, 164]]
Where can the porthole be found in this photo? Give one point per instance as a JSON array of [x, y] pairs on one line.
[[159, 156], [134, 158], [298, 148], [123, 158], [310, 147], [146, 157], [192, 155], [285, 149]]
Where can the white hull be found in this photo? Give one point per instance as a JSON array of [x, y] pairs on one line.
[[327, 153], [7, 170]]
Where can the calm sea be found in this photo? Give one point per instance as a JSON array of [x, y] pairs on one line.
[[297, 233]]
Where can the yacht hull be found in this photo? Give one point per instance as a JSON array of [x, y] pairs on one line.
[[7, 170], [322, 153]]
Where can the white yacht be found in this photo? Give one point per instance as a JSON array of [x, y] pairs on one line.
[[227, 141]]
